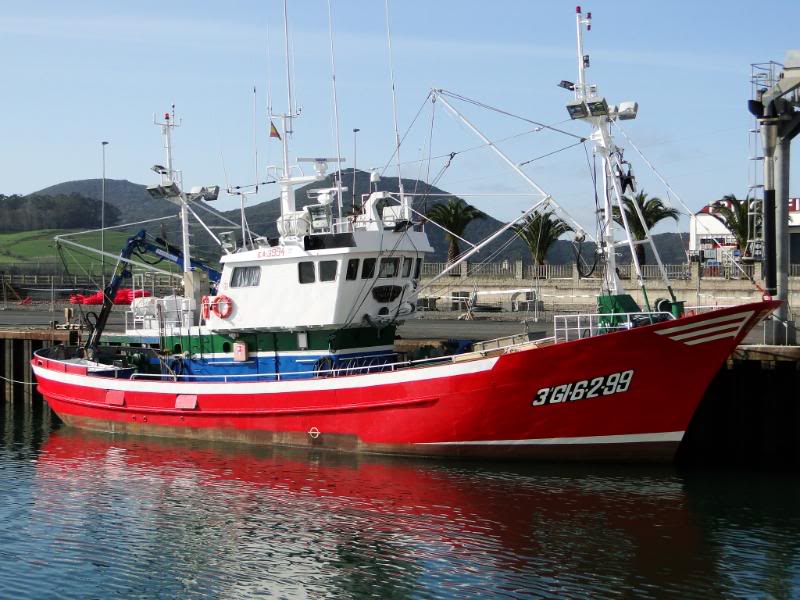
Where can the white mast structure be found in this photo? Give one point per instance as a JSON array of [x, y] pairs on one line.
[[173, 180], [289, 224], [590, 107], [171, 189]]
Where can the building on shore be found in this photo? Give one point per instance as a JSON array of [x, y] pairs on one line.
[[708, 233]]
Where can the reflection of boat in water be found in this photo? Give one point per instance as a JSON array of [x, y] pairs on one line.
[[509, 524]]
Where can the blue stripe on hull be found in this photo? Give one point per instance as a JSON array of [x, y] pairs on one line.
[[289, 366]]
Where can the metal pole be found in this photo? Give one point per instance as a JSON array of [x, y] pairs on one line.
[[355, 148], [769, 133], [103, 216], [782, 163]]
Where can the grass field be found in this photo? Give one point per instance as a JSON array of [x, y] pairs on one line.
[[37, 249]]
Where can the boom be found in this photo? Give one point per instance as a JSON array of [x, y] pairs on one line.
[[138, 244]]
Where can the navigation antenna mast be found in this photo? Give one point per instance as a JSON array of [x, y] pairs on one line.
[[170, 176], [592, 108], [404, 202]]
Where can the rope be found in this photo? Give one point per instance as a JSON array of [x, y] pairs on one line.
[[17, 382]]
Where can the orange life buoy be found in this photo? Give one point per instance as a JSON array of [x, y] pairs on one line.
[[205, 307], [227, 307]]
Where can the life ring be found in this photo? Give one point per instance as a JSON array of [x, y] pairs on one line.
[[227, 307], [205, 307]]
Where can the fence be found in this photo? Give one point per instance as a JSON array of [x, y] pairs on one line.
[[548, 271], [516, 270], [729, 271]]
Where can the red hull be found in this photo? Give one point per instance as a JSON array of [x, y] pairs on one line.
[[508, 405]]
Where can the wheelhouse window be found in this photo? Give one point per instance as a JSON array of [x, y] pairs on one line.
[[390, 267], [418, 268], [245, 277], [305, 272], [327, 270], [352, 269], [368, 270], [407, 262]]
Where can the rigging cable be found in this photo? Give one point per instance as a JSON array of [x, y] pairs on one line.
[[509, 114]]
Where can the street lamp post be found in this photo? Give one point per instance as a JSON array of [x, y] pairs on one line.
[[355, 146], [103, 218]]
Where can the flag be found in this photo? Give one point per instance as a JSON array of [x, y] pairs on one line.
[[273, 131]]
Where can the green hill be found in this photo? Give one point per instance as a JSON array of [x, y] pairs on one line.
[[130, 199]]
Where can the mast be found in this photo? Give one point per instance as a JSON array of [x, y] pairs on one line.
[[172, 176], [287, 193], [603, 144], [590, 107]]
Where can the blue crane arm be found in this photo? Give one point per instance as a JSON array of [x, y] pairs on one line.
[[137, 244]]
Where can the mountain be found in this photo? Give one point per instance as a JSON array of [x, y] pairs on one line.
[[135, 204], [131, 199]]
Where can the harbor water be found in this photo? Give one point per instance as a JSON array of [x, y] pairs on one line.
[[100, 516]]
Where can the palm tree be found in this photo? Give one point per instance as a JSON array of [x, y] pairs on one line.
[[539, 231], [734, 215], [653, 210], [454, 217]]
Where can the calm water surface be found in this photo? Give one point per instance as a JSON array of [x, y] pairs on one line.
[[100, 516]]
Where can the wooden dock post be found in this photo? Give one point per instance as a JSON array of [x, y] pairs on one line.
[[27, 353], [8, 368]]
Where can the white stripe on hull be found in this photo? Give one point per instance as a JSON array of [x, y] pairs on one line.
[[707, 330], [706, 322], [635, 438], [269, 387], [712, 338]]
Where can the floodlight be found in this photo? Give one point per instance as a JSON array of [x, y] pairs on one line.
[[211, 193], [168, 189], [159, 169], [577, 109], [627, 110], [598, 107], [567, 85], [207, 193]]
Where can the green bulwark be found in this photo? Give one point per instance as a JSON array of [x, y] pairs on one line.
[[618, 303], [611, 304], [283, 341]]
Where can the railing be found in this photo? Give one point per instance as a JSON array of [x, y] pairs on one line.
[[728, 271], [794, 270], [431, 269], [576, 327], [548, 271], [494, 270], [673, 271], [305, 375]]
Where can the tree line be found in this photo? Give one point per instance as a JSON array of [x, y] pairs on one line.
[[541, 229], [62, 211]]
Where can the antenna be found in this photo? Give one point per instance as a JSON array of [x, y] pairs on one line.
[[290, 110], [255, 138], [335, 113], [269, 73], [403, 201]]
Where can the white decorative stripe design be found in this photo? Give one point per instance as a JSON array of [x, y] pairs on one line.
[[234, 387], [708, 330], [634, 438]]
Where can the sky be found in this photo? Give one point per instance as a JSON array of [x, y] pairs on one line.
[[77, 73]]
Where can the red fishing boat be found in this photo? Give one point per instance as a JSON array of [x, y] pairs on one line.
[[293, 345]]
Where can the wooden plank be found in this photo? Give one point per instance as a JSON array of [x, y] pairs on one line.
[[42, 334]]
